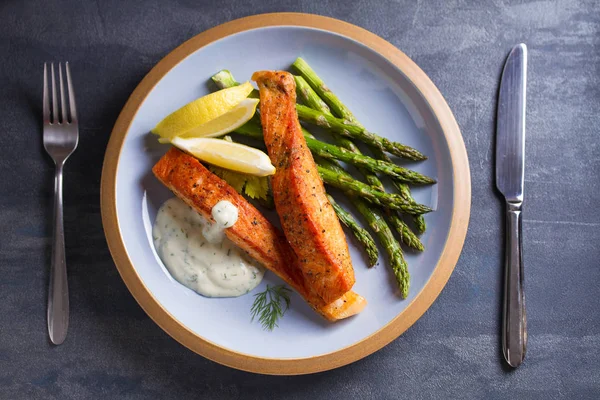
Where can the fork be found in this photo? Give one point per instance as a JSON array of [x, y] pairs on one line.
[[61, 135]]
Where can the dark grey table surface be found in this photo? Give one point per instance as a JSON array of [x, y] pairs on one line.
[[114, 350]]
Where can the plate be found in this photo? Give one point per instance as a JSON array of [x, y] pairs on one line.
[[388, 93]]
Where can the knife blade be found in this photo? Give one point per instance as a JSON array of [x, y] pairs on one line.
[[510, 160], [510, 129]]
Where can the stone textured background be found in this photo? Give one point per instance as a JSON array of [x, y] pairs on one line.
[[115, 351]]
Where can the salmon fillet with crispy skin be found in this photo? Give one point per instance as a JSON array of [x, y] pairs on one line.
[[308, 219], [189, 180]]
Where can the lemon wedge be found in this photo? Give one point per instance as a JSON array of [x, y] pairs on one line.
[[224, 124], [228, 155], [201, 111]]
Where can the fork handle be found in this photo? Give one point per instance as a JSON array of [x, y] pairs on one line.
[[58, 293], [514, 322]]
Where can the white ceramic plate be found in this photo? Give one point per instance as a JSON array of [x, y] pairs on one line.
[[388, 93]]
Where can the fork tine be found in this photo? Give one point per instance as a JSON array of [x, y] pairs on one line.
[[72, 107], [54, 100], [46, 99], [63, 106]]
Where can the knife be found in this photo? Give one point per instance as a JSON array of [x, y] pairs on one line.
[[510, 160]]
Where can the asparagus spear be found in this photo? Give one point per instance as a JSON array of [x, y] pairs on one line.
[[397, 261], [362, 235], [322, 90], [224, 79], [370, 193], [404, 190], [406, 235], [310, 97], [370, 164], [351, 130], [378, 224], [251, 129]]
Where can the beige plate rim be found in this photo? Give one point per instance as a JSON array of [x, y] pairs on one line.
[[370, 344]]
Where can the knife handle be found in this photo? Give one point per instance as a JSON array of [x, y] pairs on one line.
[[514, 322]]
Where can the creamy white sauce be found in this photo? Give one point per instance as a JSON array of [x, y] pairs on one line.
[[197, 253]]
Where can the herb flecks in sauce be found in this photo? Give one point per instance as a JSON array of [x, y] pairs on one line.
[[197, 253]]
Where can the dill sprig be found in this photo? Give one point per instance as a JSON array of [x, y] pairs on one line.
[[267, 305]]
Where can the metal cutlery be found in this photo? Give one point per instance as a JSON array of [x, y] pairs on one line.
[[510, 160], [61, 135]]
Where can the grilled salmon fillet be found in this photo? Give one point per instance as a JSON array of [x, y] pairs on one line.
[[308, 219], [189, 180]]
